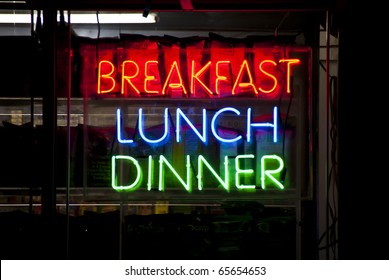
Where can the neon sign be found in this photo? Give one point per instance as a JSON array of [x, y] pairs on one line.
[[220, 144], [270, 168]]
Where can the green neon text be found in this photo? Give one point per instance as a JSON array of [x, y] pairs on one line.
[[127, 173]]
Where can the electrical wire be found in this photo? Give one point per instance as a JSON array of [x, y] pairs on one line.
[[68, 120], [333, 180], [284, 123], [32, 103], [333, 173], [98, 37]]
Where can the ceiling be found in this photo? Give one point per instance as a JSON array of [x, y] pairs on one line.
[[174, 5], [232, 16]]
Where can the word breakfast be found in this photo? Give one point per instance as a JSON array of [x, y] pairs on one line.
[[214, 78]]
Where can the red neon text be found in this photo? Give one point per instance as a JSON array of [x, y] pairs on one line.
[[134, 82]]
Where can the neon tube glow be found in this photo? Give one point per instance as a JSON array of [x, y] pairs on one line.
[[108, 78], [268, 175], [268, 171]]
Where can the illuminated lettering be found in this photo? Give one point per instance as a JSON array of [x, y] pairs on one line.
[[269, 75], [289, 70], [244, 172], [150, 78], [168, 83], [162, 162], [190, 148], [201, 162], [214, 128], [119, 129], [238, 82], [141, 127], [265, 172], [107, 76], [128, 78], [195, 76], [202, 136], [179, 114], [150, 173], [106, 82], [271, 165], [114, 177], [219, 77], [271, 125]]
